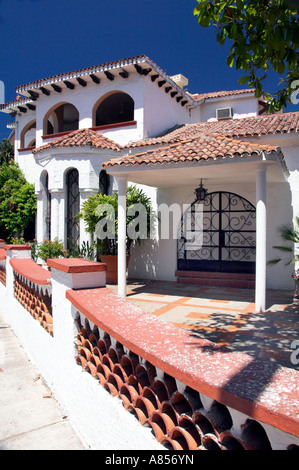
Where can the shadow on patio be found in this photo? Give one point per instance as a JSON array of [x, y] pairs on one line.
[[225, 316]]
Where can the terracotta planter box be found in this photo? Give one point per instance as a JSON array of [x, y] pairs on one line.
[[111, 262]]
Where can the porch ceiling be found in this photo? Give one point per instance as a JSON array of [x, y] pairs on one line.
[[238, 169]]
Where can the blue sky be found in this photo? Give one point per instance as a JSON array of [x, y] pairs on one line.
[[40, 38]]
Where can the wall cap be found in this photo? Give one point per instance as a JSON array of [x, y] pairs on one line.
[[17, 247], [76, 265], [30, 270], [256, 387]]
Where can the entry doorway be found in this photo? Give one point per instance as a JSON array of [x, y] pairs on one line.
[[228, 235]]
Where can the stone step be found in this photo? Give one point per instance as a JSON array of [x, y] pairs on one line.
[[217, 279]]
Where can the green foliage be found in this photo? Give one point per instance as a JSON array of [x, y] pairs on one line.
[[17, 201], [265, 37], [51, 249], [91, 217], [6, 151], [34, 248], [18, 241], [289, 234], [85, 251]]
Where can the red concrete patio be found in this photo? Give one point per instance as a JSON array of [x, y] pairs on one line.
[[225, 316]]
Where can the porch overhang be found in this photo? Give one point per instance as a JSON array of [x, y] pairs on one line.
[[203, 154], [204, 157], [227, 169]]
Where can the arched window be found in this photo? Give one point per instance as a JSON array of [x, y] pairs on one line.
[[116, 107], [28, 135], [72, 208], [104, 182], [64, 117]]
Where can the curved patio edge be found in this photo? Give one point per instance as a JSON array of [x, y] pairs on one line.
[[256, 387]]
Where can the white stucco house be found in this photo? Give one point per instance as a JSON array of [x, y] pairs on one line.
[[132, 121]]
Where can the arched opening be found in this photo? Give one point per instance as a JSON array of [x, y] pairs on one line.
[[104, 182], [28, 135], [72, 209], [218, 235], [63, 118], [115, 108]]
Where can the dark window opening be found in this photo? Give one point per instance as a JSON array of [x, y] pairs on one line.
[[64, 118], [104, 182], [118, 107]]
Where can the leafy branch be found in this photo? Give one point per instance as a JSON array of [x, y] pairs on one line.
[[265, 38]]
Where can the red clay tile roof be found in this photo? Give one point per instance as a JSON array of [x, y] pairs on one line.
[[119, 64], [11, 106], [234, 128], [86, 70], [220, 94], [244, 127], [81, 138], [201, 147]]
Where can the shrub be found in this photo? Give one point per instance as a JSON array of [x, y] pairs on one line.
[[17, 201], [51, 249]]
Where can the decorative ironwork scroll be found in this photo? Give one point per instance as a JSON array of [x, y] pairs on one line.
[[73, 207], [228, 235]]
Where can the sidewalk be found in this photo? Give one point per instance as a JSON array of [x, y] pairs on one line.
[[30, 418]]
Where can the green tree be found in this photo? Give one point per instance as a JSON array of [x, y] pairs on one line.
[[17, 201], [6, 151], [91, 216], [265, 39]]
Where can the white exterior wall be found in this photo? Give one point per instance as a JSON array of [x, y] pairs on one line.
[[158, 259], [289, 145], [84, 99], [242, 107], [161, 111], [25, 159], [292, 158], [100, 420], [155, 112], [88, 162]]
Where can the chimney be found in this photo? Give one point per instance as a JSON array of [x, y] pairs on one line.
[[180, 80]]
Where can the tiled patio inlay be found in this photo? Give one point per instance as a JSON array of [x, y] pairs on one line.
[[225, 316]]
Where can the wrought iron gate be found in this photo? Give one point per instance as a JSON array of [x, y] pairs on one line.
[[48, 209], [73, 207], [228, 235]]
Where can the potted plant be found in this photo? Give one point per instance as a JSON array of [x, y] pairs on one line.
[[290, 234], [103, 209], [85, 251]]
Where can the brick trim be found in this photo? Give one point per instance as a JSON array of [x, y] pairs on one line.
[[257, 388]]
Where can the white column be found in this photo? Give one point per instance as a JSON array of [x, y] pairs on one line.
[[121, 240], [39, 220], [261, 237], [57, 214]]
